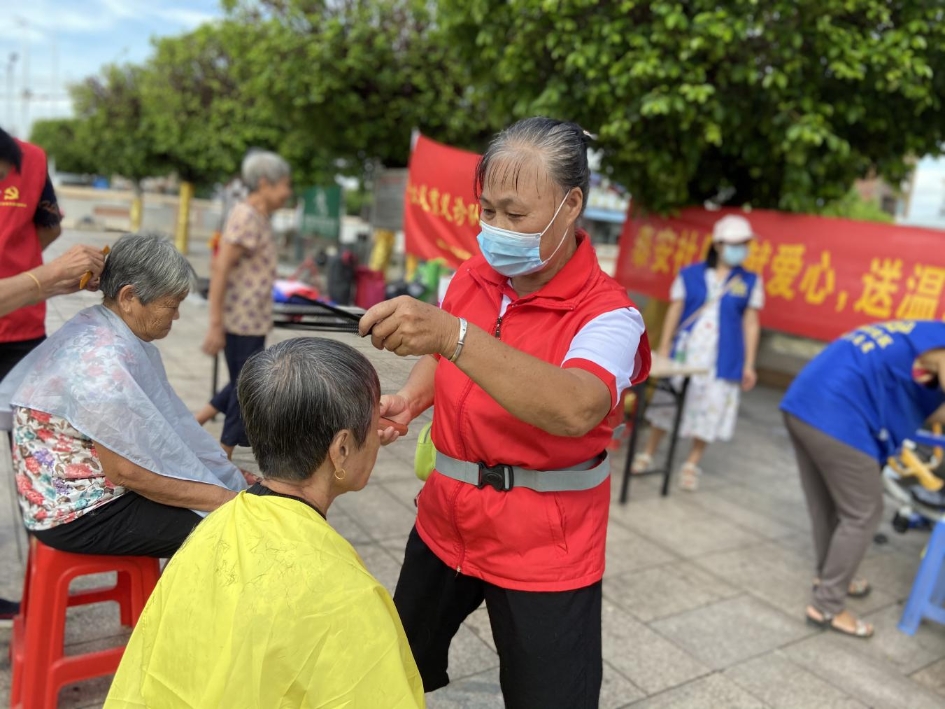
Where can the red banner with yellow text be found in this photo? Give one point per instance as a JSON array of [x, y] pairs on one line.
[[822, 276], [441, 214]]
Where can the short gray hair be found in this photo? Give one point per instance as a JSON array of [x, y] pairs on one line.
[[151, 265], [261, 164], [560, 146], [295, 398]]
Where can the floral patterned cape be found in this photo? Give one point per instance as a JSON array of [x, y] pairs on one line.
[[112, 387]]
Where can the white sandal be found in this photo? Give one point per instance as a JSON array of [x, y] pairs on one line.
[[641, 463], [689, 477]]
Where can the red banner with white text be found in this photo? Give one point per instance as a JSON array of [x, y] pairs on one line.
[[822, 276], [441, 212]]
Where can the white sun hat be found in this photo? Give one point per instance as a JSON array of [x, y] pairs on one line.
[[732, 229]]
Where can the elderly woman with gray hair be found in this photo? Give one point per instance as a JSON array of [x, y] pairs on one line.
[[241, 284], [266, 605], [108, 459]]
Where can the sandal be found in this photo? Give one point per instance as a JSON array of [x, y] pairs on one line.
[[689, 477], [641, 463], [858, 588], [861, 629]]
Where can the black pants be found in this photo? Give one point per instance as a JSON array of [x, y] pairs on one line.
[[239, 348], [10, 355], [549, 643], [130, 525], [12, 352]]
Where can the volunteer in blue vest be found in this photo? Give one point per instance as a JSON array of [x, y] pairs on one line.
[[530, 353], [29, 222], [712, 323], [847, 412]]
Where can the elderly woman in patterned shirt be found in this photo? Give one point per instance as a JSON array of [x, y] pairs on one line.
[[241, 285], [108, 459]]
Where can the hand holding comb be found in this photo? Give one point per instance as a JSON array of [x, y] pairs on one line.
[[88, 274]]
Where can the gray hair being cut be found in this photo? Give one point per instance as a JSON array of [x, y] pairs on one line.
[[297, 396], [561, 146], [262, 164], [151, 265]]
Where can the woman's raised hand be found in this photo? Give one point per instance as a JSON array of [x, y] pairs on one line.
[[407, 326], [395, 408]]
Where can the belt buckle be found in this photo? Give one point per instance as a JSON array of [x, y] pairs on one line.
[[498, 477]]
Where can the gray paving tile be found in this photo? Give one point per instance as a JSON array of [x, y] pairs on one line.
[[907, 653], [480, 691], [782, 684], [714, 691], [617, 691], [665, 590], [728, 506], [646, 658], [683, 529], [731, 631], [628, 551], [932, 677], [469, 655], [378, 512], [874, 683]]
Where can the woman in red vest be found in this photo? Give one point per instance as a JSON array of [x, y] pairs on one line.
[[531, 351]]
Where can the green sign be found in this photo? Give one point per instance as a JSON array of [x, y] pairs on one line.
[[322, 209]]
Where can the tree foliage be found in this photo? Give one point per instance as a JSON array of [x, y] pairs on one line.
[[784, 102], [58, 137], [110, 123], [353, 78], [199, 112]]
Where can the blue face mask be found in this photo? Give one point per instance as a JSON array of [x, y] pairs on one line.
[[735, 254], [513, 253]]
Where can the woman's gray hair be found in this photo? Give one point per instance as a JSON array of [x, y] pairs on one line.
[[297, 396], [561, 147], [150, 264], [261, 164]]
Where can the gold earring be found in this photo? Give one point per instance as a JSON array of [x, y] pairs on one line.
[[342, 476]]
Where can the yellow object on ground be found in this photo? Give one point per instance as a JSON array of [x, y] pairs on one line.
[[136, 212], [182, 235], [267, 606]]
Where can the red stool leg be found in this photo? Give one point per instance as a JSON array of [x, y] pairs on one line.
[[44, 630]]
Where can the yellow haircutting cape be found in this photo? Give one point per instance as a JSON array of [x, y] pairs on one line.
[[266, 606]]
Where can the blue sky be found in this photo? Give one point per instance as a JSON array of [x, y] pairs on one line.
[[67, 40]]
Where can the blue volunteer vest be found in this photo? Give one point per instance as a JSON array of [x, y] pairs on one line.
[[860, 390], [731, 361]]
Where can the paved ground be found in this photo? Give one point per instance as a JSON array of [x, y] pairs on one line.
[[704, 593]]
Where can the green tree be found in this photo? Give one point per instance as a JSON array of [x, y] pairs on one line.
[[110, 123], [59, 138], [781, 103], [198, 113], [351, 79]]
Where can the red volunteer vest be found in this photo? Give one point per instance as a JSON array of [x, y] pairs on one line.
[[521, 539], [20, 249]]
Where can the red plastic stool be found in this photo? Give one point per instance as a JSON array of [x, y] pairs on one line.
[[40, 666]]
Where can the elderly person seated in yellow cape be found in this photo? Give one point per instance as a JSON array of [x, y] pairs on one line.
[[265, 605]]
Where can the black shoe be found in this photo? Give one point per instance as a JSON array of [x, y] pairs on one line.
[[8, 610]]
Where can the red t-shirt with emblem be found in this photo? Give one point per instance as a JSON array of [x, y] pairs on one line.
[[20, 250]]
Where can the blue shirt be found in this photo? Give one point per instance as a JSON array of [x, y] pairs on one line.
[[860, 389]]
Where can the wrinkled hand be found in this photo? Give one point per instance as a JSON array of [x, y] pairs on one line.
[[396, 408], [66, 271], [215, 341], [749, 379], [406, 326]]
